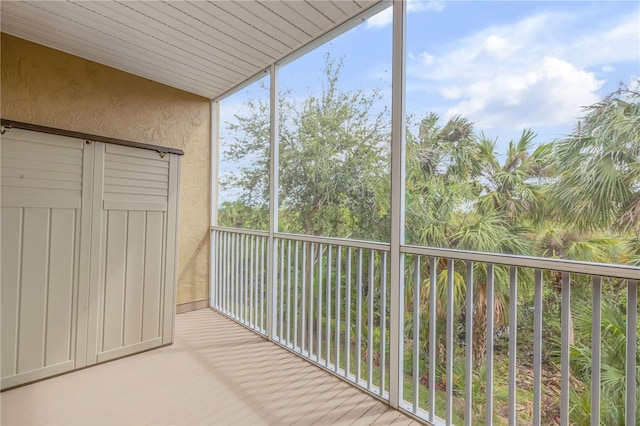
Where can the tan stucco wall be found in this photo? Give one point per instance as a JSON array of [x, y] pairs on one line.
[[51, 88]]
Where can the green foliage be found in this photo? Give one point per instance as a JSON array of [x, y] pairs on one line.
[[613, 379], [599, 167], [577, 198], [239, 215], [334, 160]]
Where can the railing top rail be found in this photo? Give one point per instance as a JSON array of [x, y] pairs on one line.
[[561, 265], [335, 241], [240, 231]]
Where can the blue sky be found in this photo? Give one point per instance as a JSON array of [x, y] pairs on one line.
[[505, 65]]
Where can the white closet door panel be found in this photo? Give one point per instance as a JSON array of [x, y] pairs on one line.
[[88, 268], [41, 199], [60, 292], [11, 229], [115, 267], [33, 291], [152, 276], [134, 280]]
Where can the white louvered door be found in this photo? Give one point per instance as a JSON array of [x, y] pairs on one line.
[[137, 224], [88, 259], [41, 199]]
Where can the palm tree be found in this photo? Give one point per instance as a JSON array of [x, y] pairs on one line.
[[599, 167], [460, 196], [613, 366], [514, 188]]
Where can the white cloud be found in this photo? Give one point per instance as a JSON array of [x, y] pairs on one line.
[[539, 71], [451, 92], [551, 92], [499, 47], [385, 17]]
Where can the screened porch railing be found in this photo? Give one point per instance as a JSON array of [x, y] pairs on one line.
[[330, 304]]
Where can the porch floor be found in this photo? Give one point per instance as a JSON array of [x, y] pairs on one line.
[[216, 372]]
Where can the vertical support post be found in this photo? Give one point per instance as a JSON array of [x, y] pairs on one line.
[[396, 320], [273, 203], [213, 205]]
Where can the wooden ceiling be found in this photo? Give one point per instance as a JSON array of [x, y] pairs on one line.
[[202, 47]]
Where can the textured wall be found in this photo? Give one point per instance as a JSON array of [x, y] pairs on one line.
[[51, 88]]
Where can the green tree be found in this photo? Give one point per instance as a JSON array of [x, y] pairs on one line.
[[599, 167], [334, 160]]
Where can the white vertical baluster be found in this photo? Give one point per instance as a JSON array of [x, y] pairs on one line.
[[303, 298], [449, 337], [295, 295], [596, 344], [328, 316], [256, 280], [320, 311], [537, 349], [371, 294], [311, 292], [489, 355], [359, 317], [235, 273], [347, 315], [416, 332], [252, 286], [288, 292], [513, 342], [281, 280], [468, 371], [383, 322], [338, 305], [245, 277], [433, 291], [564, 354], [632, 321], [263, 271]]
